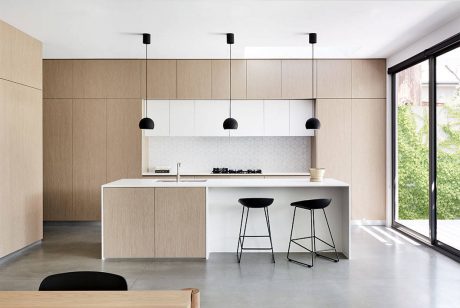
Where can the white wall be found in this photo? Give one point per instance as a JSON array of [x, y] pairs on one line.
[[433, 38]]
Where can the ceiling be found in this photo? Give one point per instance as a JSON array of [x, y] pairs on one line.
[[195, 29]]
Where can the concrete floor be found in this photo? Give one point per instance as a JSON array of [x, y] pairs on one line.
[[387, 270]]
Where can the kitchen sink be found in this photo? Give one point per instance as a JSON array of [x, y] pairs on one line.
[[172, 181]]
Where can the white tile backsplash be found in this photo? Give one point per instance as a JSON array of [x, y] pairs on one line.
[[201, 154]]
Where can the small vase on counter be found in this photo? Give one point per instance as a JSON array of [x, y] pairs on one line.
[[317, 174]]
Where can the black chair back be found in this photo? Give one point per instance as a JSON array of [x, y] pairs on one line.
[[84, 281]]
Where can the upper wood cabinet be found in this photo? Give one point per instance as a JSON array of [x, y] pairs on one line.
[[263, 79], [20, 57], [334, 79], [194, 79], [161, 79], [369, 78], [57, 78], [57, 159], [221, 79], [296, 79], [106, 79], [123, 139]]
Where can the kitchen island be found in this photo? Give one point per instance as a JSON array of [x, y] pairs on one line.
[[147, 218]]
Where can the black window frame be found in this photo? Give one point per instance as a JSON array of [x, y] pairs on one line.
[[429, 54]]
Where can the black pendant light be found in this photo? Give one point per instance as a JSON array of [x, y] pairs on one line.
[[230, 123], [146, 123], [312, 123]]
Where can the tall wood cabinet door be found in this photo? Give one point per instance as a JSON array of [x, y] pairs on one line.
[[129, 223], [296, 79], [123, 139], [333, 79], [180, 222], [57, 78], [221, 79], [369, 78], [161, 79], [263, 79], [89, 157], [194, 79], [333, 140], [369, 159], [57, 159]]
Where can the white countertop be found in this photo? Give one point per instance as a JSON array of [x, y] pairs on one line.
[[227, 174], [327, 182]]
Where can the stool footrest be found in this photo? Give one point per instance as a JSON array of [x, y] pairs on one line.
[[315, 237], [254, 235], [258, 248]]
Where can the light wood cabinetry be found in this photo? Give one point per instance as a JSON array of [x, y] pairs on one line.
[[57, 159], [221, 79], [89, 156], [161, 79], [180, 222], [296, 79], [194, 79], [128, 224], [123, 139], [369, 78], [333, 79], [263, 79], [368, 159], [20, 57], [333, 141], [57, 78]]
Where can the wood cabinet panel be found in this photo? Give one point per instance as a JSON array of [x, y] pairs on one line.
[[106, 79], [333, 140], [89, 156], [123, 139], [263, 79], [180, 222], [20, 57], [334, 79], [194, 79], [57, 78], [369, 78], [369, 158], [129, 232], [21, 166], [221, 79], [57, 159], [161, 79], [296, 79]]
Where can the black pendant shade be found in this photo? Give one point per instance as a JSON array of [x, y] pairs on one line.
[[313, 123], [146, 123], [230, 123]]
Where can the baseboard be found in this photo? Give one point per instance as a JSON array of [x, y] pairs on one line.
[[19, 252], [366, 222]]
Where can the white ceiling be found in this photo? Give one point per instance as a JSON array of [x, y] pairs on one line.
[[194, 29]]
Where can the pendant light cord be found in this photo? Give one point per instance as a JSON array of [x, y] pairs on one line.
[[146, 104], [312, 68], [230, 80]]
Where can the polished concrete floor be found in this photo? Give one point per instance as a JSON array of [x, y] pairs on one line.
[[387, 270]]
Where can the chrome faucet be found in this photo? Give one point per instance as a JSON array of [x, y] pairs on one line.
[[178, 172]]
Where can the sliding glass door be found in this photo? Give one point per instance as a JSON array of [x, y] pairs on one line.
[[426, 146]]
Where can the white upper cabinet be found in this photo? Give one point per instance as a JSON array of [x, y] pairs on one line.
[[182, 118], [158, 111], [250, 117], [210, 116], [299, 112], [276, 118]]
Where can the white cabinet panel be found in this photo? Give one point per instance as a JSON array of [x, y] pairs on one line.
[[276, 118], [182, 118], [210, 116], [158, 111], [299, 112], [250, 117]]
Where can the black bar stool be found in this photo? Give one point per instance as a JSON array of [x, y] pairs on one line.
[[312, 205], [254, 203]]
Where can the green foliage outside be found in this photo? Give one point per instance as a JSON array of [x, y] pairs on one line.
[[413, 163]]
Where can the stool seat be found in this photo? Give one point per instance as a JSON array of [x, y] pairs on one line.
[[313, 204], [256, 202]]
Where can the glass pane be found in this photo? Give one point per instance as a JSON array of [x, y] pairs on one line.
[[412, 204], [448, 147]]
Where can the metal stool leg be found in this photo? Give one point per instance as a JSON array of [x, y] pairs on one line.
[[239, 236], [312, 234], [267, 219], [300, 238], [290, 237], [333, 243], [244, 233]]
